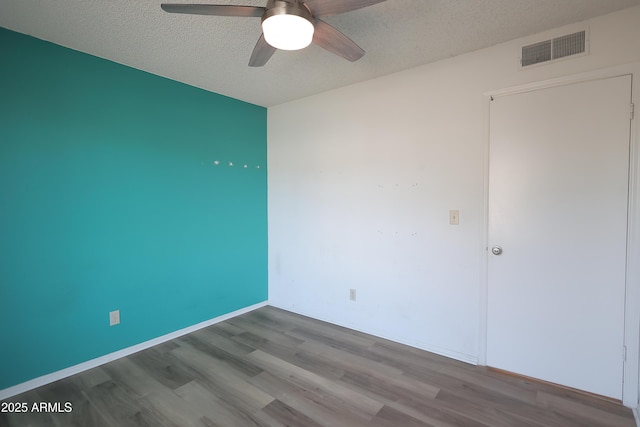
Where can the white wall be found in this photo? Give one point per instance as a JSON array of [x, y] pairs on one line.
[[361, 181]]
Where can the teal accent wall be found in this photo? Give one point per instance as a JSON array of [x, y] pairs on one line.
[[110, 199]]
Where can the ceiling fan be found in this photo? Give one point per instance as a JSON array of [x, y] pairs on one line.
[[288, 25]]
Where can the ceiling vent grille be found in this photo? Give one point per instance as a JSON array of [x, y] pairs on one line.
[[549, 50], [536, 53]]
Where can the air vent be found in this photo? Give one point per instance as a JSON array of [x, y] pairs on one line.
[[549, 50], [571, 44], [536, 53]]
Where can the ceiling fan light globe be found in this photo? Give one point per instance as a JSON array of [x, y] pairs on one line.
[[288, 32]]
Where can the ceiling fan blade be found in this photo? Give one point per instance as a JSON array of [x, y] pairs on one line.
[[322, 8], [334, 41], [261, 53], [214, 9]]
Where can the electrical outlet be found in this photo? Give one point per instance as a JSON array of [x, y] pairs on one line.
[[352, 294], [114, 318]]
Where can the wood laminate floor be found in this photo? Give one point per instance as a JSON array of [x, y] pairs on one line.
[[274, 368]]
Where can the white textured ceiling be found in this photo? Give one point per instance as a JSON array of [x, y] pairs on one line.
[[212, 52]]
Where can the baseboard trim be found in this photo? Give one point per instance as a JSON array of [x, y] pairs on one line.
[[76, 369], [636, 416], [441, 351], [552, 384]]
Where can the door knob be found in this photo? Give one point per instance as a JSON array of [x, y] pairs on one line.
[[496, 250]]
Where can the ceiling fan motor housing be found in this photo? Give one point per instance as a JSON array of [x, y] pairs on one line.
[[287, 7], [287, 24]]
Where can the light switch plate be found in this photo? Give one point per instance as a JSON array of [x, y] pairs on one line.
[[454, 217]]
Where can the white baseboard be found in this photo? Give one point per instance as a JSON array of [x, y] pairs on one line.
[[72, 370], [636, 416]]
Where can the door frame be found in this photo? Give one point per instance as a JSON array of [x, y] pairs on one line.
[[631, 381]]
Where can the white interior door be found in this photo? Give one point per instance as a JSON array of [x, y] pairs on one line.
[[558, 196]]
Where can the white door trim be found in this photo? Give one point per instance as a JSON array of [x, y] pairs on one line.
[[630, 389], [560, 81]]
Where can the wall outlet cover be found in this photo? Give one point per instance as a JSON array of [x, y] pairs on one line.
[[114, 318]]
